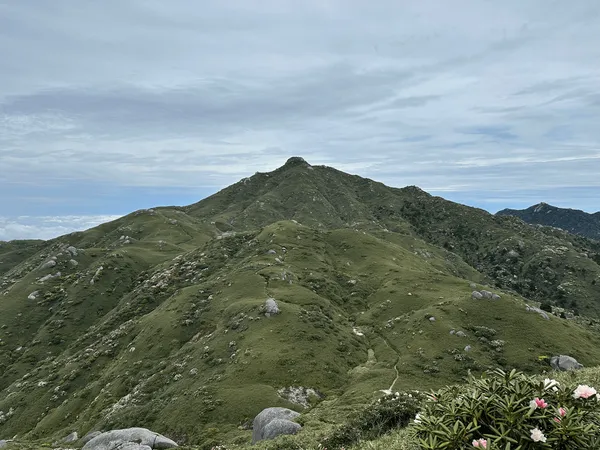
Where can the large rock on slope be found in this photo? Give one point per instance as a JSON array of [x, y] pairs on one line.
[[91, 435], [3, 443], [120, 439], [277, 427], [565, 363], [260, 429]]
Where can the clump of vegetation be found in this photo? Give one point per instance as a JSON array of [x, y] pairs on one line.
[[390, 412], [510, 411]]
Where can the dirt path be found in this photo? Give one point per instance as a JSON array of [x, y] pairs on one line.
[[391, 388]]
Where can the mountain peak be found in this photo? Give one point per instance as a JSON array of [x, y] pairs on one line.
[[295, 161]]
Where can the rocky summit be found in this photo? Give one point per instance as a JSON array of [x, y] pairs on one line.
[[297, 296]]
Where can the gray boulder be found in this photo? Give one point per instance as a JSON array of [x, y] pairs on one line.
[[3, 443], [123, 439], [71, 437], [536, 310], [565, 363], [271, 307], [476, 295], [278, 427], [486, 294], [72, 250], [266, 416], [495, 297], [91, 435], [48, 265]]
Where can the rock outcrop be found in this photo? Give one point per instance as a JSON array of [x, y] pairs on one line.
[[271, 308], [283, 423], [130, 439]]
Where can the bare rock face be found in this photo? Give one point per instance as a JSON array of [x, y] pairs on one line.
[[565, 363], [130, 439], [282, 418]]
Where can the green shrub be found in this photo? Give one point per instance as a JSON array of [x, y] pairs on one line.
[[510, 411], [391, 411]]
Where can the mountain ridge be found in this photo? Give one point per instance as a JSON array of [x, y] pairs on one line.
[[572, 220], [158, 318]]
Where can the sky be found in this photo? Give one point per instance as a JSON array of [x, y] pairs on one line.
[[113, 106]]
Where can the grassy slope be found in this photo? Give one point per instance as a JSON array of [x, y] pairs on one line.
[[171, 334]]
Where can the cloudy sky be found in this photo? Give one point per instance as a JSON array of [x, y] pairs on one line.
[[114, 105]]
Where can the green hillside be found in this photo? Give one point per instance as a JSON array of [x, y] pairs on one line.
[[158, 318]]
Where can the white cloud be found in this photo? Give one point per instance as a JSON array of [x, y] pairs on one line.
[[183, 94], [47, 227]]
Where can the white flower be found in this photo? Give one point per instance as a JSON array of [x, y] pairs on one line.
[[418, 418], [584, 391], [533, 404], [537, 435], [551, 384]]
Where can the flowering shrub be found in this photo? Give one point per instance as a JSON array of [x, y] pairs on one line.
[[510, 411]]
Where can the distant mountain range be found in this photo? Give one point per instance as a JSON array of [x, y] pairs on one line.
[[572, 220], [190, 320]]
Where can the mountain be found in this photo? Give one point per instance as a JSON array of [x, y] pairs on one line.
[[161, 318], [572, 220]]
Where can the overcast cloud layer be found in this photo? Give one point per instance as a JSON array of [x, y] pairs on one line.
[[107, 107]]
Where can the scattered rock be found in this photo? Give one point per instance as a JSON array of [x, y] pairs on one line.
[[48, 265], [72, 250], [130, 439], [49, 277], [533, 309], [33, 295], [352, 282], [71, 437], [268, 415], [476, 295], [461, 334], [565, 363], [496, 297], [452, 332], [271, 252], [486, 294], [73, 263], [299, 395], [473, 286], [271, 308], [3, 443], [468, 348], [357, 331], [432, 319]]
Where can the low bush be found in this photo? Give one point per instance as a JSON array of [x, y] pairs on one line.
[[390, 412]]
